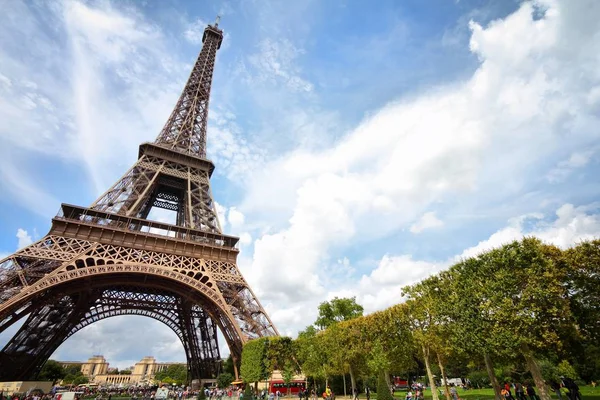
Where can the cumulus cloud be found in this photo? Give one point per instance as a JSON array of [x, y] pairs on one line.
[[245, 239], [24, 238], [235, 218], [382, 287], [195, 31], [564, 168], [427, 221], [571, 225], [123, 341], [466, 145], [221, 211]]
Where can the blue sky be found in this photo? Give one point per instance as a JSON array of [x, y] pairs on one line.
[[359, 146]]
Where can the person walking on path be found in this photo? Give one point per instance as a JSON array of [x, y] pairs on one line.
[[531, 392], [454, 392], [519, 391]]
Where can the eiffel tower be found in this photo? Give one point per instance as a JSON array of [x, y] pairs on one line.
[[109, 259]]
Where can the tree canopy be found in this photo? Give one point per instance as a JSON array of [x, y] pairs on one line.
[[337, 310], [52, 371], [173, 374], [526, 310]]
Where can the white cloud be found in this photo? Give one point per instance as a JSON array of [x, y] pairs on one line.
[[221, 211], [466, 145], [564, 168], [277, 61], [458, 145], [245, 239], [427, 221], [195, 31], [235, 218], [24, 189], [24, 238], [572, 225], [123, 340], [382, 287]]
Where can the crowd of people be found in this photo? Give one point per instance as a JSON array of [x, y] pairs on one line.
[[522, 391]]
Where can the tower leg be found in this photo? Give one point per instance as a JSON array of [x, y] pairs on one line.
[[41, 334], [201, 345]]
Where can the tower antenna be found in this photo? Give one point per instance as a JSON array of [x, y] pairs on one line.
[[217, 21]]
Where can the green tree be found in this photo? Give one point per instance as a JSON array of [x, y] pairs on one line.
[[310, 350], [73, 370], [421, 322], [522, 292], [254, 366], [52, 371], [175, 373], [473, 321], [68, 379], [80, 380], [583, 280], [337, 310], [383, 389], [279, 353], [228, 366], [288, 376], [430, 321], [224, 380]]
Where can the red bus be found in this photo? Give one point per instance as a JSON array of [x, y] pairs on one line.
[[295, 387], [399, 383]]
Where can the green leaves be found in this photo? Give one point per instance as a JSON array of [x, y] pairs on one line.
[[53, 371], [260, 357], [176, 374], [518, 303], [224, 380], [338, 310], [254, 360]]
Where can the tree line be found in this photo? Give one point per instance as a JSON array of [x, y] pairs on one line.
[[525, 311], [53, 371]]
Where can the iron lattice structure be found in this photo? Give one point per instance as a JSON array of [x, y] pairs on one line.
[[109, 259]]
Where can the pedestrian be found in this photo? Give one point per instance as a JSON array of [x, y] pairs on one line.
[[508, 394], [572, 388], [519, 391], [555, 386], [531, 392], [454, 392], [368, 393]]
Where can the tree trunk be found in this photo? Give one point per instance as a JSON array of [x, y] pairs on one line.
[[490, 370], [536, 374], [344, 376], [387, 379], [352, 380], [235, 368], [444, 377], [434, 393]]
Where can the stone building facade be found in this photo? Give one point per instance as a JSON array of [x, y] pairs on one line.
[[96, 368]]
